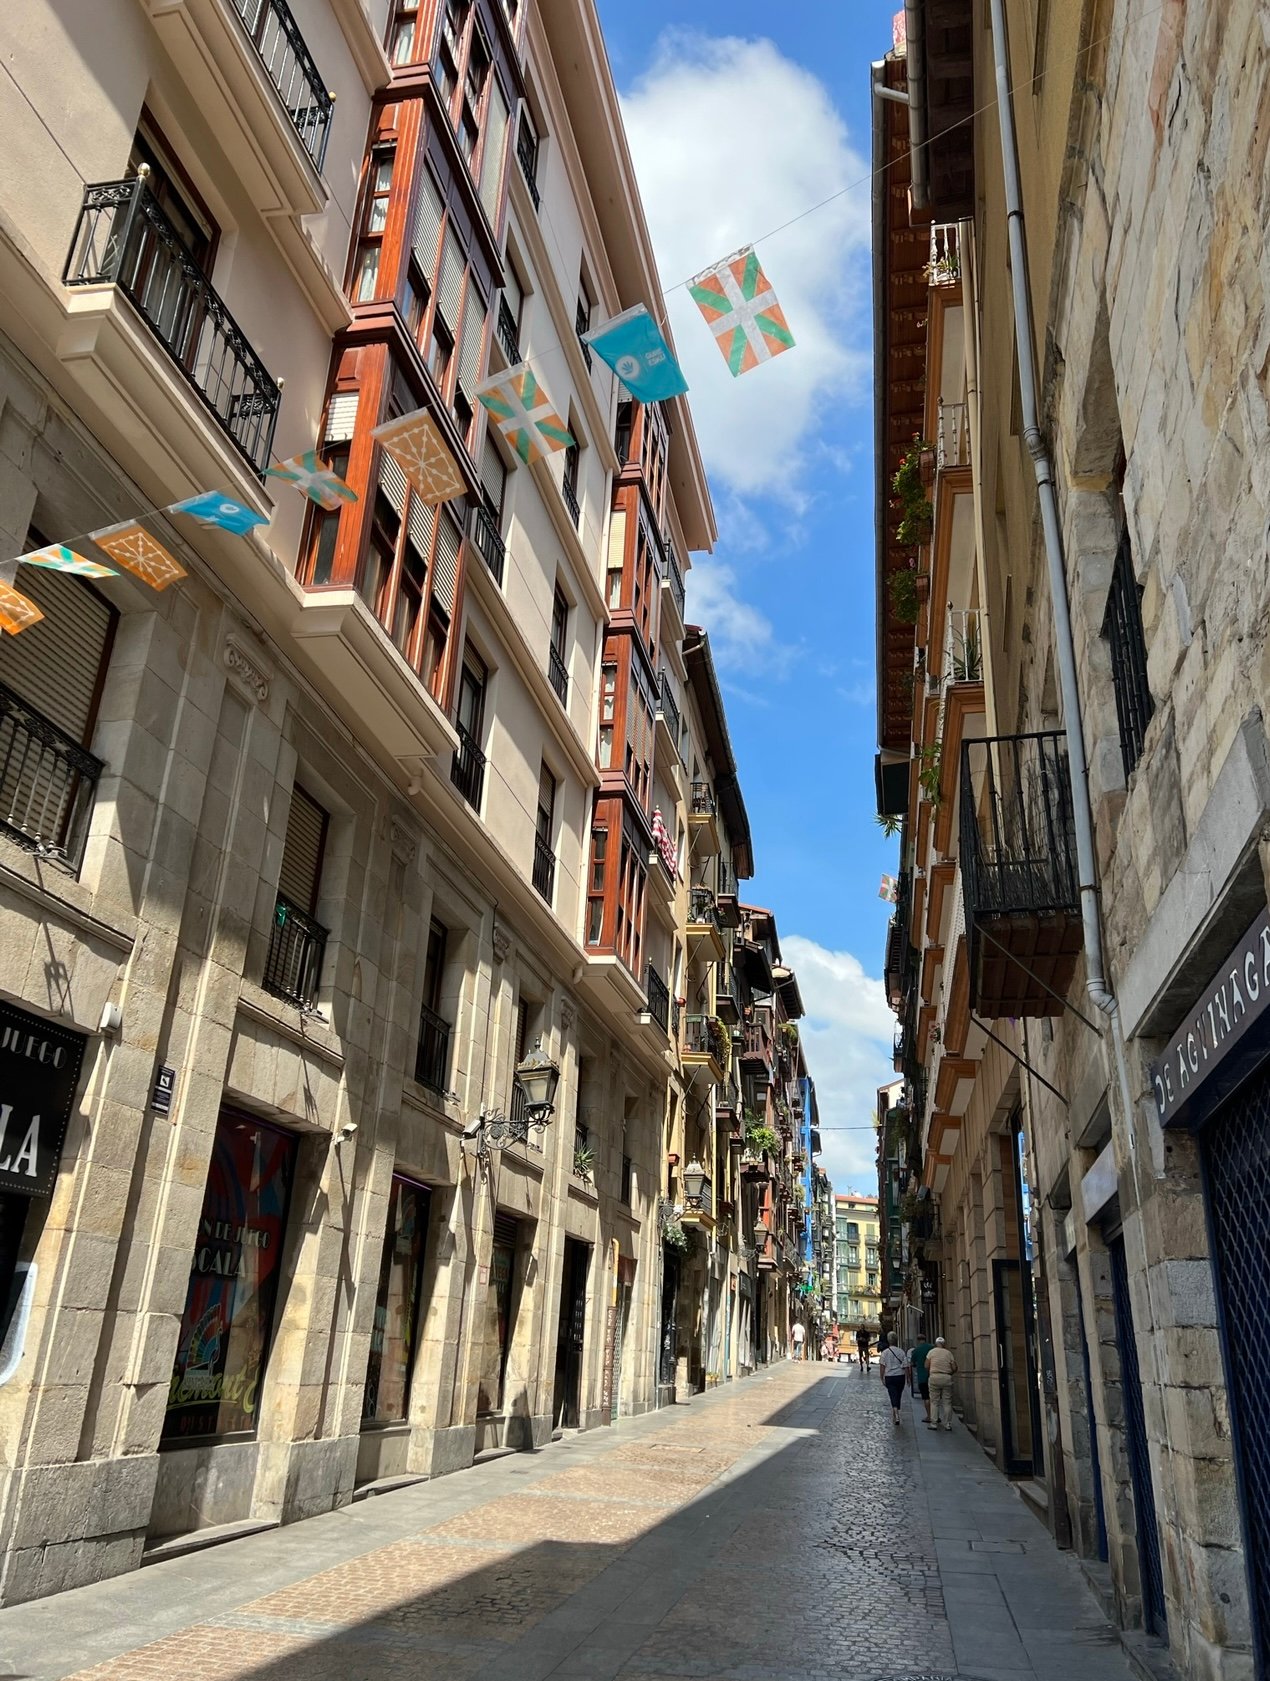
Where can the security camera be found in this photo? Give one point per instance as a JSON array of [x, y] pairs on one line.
[[473, 1128], [347, 1131]]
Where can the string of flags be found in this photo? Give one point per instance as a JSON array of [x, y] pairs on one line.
[[736, 301]]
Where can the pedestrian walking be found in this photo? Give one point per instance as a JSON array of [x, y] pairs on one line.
[[920, 1378], [940, 1366], [799, 1334], [862, 1347], [893, 1368]]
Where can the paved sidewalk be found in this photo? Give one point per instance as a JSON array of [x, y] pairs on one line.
[[782, 1528]]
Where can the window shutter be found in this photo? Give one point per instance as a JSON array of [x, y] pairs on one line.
[[450, 281], [445, 572], [493, 474], [496, 120], [56, 664], [341, 417], [302, 850], [393, 482], [423, 517], [506, 1230], [427, 230], [470, 345], [513, 292]]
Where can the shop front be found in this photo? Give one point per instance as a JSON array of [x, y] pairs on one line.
[[384, 1447]]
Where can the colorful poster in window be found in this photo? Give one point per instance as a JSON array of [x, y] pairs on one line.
[[225, 1333], [393, 1335]]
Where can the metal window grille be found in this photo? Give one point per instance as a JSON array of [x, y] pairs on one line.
[[468, 771], [1122, 627], [508, 332], [559, 673], [432, 1055], [658, 998], [47, 781], [544, 868], [489, 540], [297, 946]]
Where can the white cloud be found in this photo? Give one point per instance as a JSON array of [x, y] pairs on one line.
[[730, 139], [742, 637], [847, 1034]]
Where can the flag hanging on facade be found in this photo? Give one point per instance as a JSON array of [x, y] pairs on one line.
[[889, 890], [634, 347], [523, 413], [17, 611], [415, 442], [132, 547], [320, 483], [741, 311], [56, 557], [213, 507]]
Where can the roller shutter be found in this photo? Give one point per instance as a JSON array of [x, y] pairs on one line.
[[56, 665], [302, 850]]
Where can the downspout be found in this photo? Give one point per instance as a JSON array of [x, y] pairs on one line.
[[915, 99]]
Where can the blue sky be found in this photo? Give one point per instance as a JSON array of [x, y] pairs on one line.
[[740, 116]]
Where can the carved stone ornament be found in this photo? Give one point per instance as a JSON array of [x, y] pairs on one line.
[[568, 1013], [501, 941], [403, 839], [241, 666]]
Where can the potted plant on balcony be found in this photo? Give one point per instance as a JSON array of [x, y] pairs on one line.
[[674, 1236], [917, 516], [929, 772], [905, 602], [789, 1033], [584, 1162], [759, 1139]]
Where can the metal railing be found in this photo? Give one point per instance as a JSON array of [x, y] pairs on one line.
[[527, 152], [702, 803], [757, 1040], [123, 238], [702, 910], [432, 1054], [282, 50], [489, 540], [297, 946], [963, 646], [47, 781], [1018, 841], [704, 1037], [570, 494], [673, 576], [468, 770], [544, 868], [952, 440], [558, 672], [508, 332], [1122, 626], [944, 266], [675, 1013], [658, 998], [668, 706]]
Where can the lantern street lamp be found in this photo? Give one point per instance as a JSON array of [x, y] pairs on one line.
[[694, 1177], [533, 1104]]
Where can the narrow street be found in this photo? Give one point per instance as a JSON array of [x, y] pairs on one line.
[[781, 1528]]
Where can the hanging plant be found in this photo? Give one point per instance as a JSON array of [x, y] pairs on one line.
[[902, 588], [759, 1138], [917, 514], [674, 1236], [928, 774], [789, 1033]]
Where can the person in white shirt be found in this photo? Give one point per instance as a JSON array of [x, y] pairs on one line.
[[893, 1369], [799, 1333]]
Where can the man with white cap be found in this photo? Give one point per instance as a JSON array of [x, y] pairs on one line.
[[940, 1367]]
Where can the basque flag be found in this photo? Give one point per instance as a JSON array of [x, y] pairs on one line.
[[633, 346]]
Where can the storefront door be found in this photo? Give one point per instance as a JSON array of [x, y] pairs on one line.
[[669, 1308], [1135, 1430], [1235, 1148], [571, 1333], [1015, 1376]]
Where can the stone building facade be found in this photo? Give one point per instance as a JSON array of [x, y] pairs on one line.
[[297, 856], [1098, 1166]]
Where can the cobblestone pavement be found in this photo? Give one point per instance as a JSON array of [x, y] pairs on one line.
[[780, 1528]]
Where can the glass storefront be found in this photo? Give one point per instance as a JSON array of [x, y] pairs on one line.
[[392, 1339], [225, 1333]]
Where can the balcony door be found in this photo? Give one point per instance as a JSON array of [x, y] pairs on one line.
[[170, 250]]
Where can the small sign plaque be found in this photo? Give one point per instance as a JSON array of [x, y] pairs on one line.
[[164, 1086]]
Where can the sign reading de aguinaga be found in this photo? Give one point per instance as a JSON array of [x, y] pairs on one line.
[[39, 1076]]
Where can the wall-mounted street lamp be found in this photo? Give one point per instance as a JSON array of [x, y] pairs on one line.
[[535, 1081], [694, 1178]]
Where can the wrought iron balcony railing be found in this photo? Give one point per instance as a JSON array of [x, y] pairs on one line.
[[432, 1054], [297, 946], [703, 1036], [1019, 875], [658, 998], [123, 238], [288, 63], [544, 868], [558, 672], [963, 646], [508, 332], [944, 267], [702, 910], [570, 494], [952, 441], [702, 800], [468, 770], [489, 540], [673, 576], [47, 781], [668, 706], [527, 152]]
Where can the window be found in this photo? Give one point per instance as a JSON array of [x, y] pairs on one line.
[[500, 1314], [557, 664], [158, 278], [570, 483], [582, 320], [853, 1255], [640, 707], [1122, 627], [446, 301], [174, 193], [527, 146], [853, 1231], [627, 1191], [608, 712], [432, 1054], [297, 943], [374, 221], [386, 1398], [402, 31], [468, 773], [595, 887], [229, 1304], [544, 855]]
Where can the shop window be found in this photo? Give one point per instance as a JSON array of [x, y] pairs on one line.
[[225, 1334], [500, 1314], [393, 1336]]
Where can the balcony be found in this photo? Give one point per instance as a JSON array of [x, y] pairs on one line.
[[952, 440], [703, 819], [672, 579], [944, 267], [432, 1054], [727, 1003], [1019, 875], [726, 897], [670, 727], [249, 69], [705, 931], [297, 946], [705, 1048], [527, 153], [558, 672], [508, 333], [468, 770], [963, 646], [544, 868], [123, 239], [484, 532], [658, 998], [47, 782], [756, 1042]]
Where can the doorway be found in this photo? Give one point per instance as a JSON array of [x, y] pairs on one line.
[[1135, 1430], [571, 1334], [668, 1341], [1016, 1373]]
